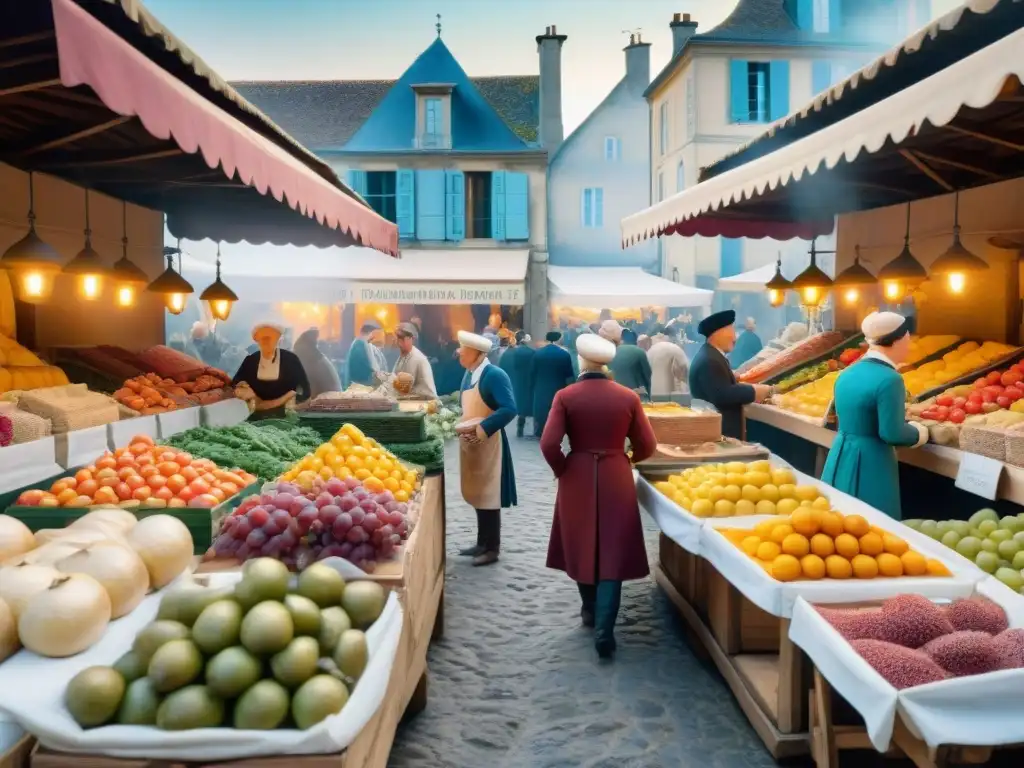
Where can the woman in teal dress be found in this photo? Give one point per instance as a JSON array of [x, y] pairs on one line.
[[870, 404]]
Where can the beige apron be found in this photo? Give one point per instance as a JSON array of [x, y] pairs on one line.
[[480, 463]]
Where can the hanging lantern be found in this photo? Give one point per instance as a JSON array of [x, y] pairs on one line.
[[87, 266], [852, 280], [904, 274], [812, 285], [174, 288], [129, 279], [218, 296], [33, 263], [957, 261], [778, 285]]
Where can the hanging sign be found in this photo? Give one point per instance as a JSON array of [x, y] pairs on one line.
[[979, 475], [512, 294]]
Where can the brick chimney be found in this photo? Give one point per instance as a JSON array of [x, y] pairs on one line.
[[682, 30], [549, 46], [638, 62]]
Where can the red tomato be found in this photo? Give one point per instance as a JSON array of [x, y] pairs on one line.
[[987, 397], [973, 407], [957, 416], [1012, 376], [946, 400], [1003, 401], [959, 402], [975, 397], [1014, 394], [980, 383], [994, 377]]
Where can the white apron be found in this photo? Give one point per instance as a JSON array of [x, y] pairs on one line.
[[480, 463]]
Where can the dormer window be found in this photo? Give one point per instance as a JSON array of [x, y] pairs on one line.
[[433, 116]]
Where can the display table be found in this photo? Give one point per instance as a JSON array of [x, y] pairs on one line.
[[417, 575], [741, 616]]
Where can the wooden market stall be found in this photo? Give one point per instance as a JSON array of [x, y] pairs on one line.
[[921, 146]]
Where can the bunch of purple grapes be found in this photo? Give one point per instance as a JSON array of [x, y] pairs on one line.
[[338, 518]]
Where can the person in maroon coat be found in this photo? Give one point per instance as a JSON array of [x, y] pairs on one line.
[[596, 534]]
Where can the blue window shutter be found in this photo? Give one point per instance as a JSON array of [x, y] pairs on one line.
[[821, 75], [731, 258], [739, 100], [455, 206], [517, 206], [805, 14], [778, 89], [835, 16], [598, 207], [498, 187], [430, 205], [586, 201], [357, 181], [405, 202]]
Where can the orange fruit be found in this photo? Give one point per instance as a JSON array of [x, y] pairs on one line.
[[786, 568], [822, 545], [796, 544], [805, 522], [343, 472], [780, 532], [380, 474], [82, 475], [362, 474], [401, 495], [354, 462], [749, 544], [864, 567], [326, 473], [847, 546], [768, 551], [360, 451], [812, 566], [157, 481], [141, 493], [66, 495], [855, 525], [391, 484], [871, 544], [889, 565], [763, 530], [405, 486], [937, 568], [914, 563], [373, 485], [894, 545], [832, 524], [354, 433]]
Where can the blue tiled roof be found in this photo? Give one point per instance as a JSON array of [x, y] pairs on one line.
[[475, 124]]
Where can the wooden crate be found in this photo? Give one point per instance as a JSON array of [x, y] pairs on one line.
[[685, 570], [18, 755], [418, 577], [771, 686]]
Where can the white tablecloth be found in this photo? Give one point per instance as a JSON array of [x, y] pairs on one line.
[[226, 413], [32, 691], [27, 463], [981, 710]]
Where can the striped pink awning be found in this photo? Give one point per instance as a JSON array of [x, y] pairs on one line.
[[131, 85]]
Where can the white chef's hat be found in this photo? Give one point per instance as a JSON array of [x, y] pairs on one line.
[[594, 349], [475, 341], [271, 326], [883, 329]]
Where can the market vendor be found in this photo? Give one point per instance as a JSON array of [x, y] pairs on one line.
[[413, 362], [597, 535], [275, 376], [870, 403], [359, 368], [711, 376], [485, 459]]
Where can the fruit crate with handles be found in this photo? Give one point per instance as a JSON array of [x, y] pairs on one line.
[[851, 341], [1007, 360], [200, 522]]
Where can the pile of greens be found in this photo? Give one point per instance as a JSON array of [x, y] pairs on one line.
[[442, 424], [428, 453], [265, 450]]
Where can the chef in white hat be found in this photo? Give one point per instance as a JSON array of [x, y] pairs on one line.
[[870, 404], [485, 459], [275, 375], [597, 536]]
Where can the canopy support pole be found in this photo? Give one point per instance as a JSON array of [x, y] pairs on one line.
[[924, 168]]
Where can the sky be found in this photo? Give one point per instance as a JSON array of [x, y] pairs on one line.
[[378, 39]]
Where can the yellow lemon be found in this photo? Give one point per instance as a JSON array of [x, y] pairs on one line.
[[401, 495], [780, 532], [735, 466], [750, 493], [763, 530], [685, 502], [758, 479], [822, 545], [768, 551], [787, 491], [770, 492], [716, 493], [806, 492], [734, 478], [786, 568], [745, 507], [765, 507], [703, 492], [750, 545], [343, 472], [362, 474], [787, 506], [665, 488], [796, 545], [822, 503], [759, 466], [812, 566], [838, 567], [732, 493], [724, 508], [783, 477], [702, 508]]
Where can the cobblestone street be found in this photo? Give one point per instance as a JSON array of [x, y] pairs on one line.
[[515, 681]]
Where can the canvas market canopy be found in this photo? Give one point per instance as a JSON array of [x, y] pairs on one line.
[[748, 282], [941, 133], [616, 287]]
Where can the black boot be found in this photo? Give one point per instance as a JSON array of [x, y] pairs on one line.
[[606, 610], [479, 548], [490, 524], [588, 596]]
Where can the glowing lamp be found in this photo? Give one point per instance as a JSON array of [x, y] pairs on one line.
[[218, 296], [87, 266], [853, 279], [174, 288], [175, 303], [776, 297], [957, 282], [33, 263], [957, 260], [812, 285], [778, 285], [904, 274], [128, 278]]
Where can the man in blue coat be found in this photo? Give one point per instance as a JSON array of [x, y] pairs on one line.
[[517, 362], [485, 460], [551, 371], [359, 367], [711, 376]]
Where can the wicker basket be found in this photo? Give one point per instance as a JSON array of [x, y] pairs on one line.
[[70, 407], [984, 441], [682, 426]]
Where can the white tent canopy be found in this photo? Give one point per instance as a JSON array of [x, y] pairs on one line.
[[748, 282], [620, 287], [974, 81], [343, 275]]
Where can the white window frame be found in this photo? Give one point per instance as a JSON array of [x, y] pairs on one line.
[[612, 148], [663, 127], [438, 116], [821, 23], [592, 207]]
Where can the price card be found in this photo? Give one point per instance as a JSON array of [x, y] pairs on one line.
[[979, 475]]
